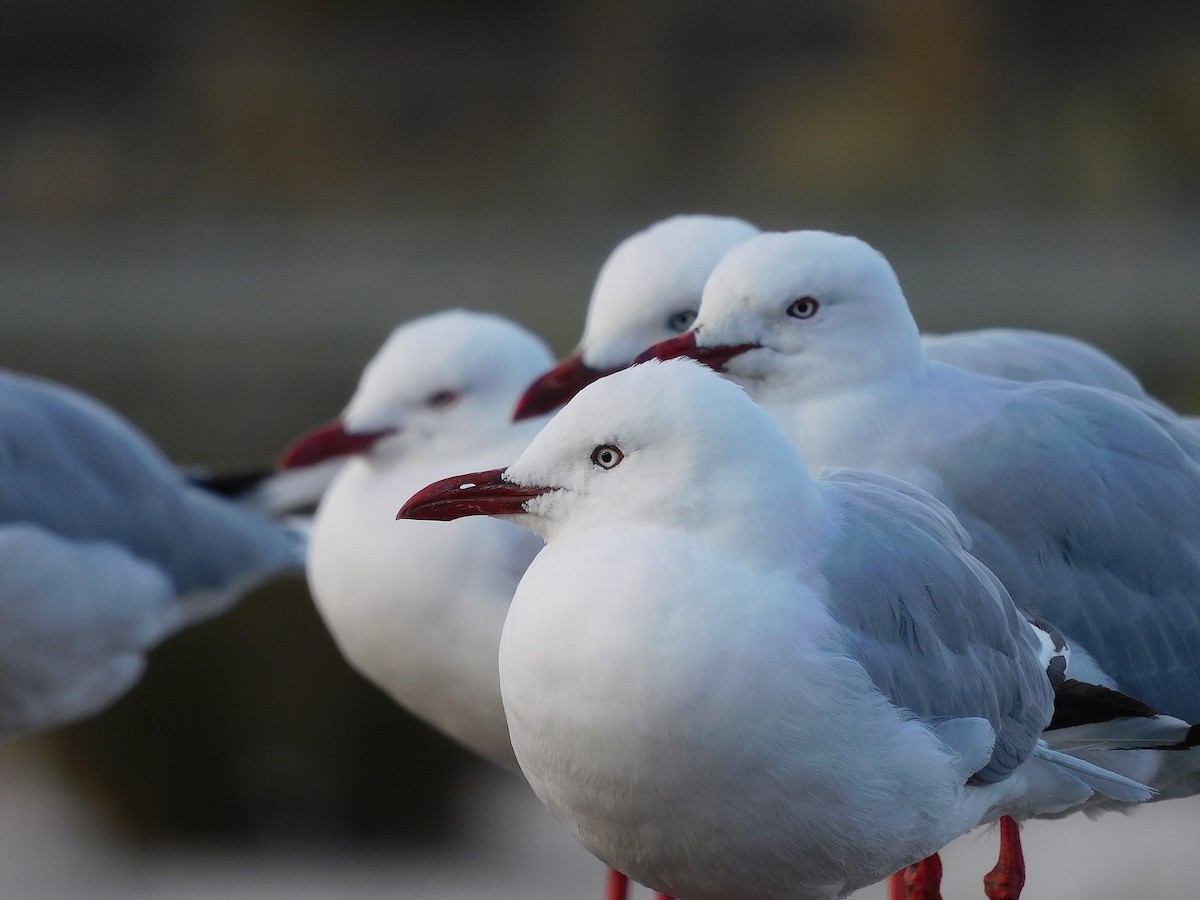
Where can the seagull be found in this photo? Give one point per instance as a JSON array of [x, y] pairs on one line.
[[1084, 502], [105, 551], [732, 680], [649, 290], [418, 608]]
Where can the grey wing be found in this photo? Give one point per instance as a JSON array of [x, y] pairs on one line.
[[933, 627], [78, 470], [1023, 355], [1087, 507], [76, 620]]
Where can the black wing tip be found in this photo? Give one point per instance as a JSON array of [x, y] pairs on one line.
[[1079, 703], [231, 484]]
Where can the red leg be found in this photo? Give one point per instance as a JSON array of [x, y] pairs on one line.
[[1008, 878], [923, 880], [920, 881], [616, 886]]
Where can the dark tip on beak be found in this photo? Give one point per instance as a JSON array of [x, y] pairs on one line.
[[685, 345], [476, 494], [556, 387], [329, 442]]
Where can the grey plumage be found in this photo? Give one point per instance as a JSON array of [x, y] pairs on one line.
[[955, 648], [104, 550], [1090, 515]]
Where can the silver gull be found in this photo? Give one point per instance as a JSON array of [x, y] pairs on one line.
[[731, 680]]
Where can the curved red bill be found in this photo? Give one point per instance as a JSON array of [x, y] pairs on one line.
[[475, 494], [685, 345], [556, 387], [329, 442]]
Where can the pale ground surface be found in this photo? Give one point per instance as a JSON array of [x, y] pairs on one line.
[[51, 849]]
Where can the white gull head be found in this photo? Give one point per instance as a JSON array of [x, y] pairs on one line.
[[441, 384], [811, 309], [649, 288], [444, 379]]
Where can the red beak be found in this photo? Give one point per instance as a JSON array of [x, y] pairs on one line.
[[329, 442], [685, 345], [556, 387], [477, 494]]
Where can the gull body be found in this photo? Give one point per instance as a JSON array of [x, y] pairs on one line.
[[730, 680], [105, 550]]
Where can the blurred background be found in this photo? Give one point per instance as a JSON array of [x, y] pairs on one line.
[[212, 213]]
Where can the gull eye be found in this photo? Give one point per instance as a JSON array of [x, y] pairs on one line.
[[606, 456], [803, 308], [681, 321], [441, 399]]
